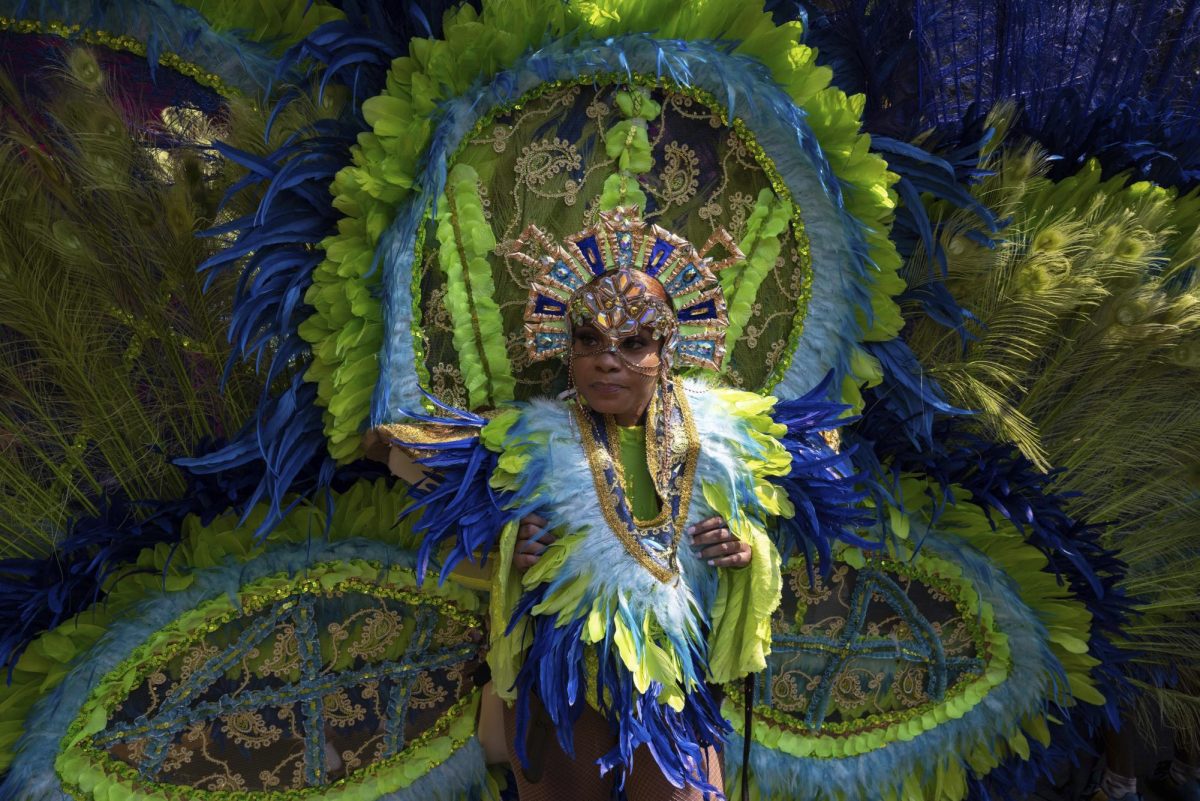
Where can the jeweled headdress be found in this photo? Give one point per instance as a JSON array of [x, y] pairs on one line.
[[591, 277]]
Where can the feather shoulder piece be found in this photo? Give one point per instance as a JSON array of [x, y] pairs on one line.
[[823, 491], [469, 492]]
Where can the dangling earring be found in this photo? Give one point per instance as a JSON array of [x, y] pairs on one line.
[[666, 410], [666, 362], [570, 391]]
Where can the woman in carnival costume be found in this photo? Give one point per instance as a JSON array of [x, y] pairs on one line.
[[642, 573], [864, 387]]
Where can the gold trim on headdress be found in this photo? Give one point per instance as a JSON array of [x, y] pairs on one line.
[[589, 277]]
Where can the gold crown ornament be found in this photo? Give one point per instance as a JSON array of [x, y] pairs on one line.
[[594, 278]]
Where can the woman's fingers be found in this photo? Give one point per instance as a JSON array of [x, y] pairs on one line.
[[709, 526], [725, 548], [716, 544], [533, 527], [532, 539], [727, 554], [535, 535], [708, 532], [702, 538], [740, 559], [524, 561]]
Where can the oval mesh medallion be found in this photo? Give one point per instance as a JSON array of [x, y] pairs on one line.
[[306, 682], [877, 651]]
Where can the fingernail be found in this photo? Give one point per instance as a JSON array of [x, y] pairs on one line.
[[712, 562], [690, 530]]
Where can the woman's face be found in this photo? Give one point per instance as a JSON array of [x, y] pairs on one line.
[[620, 383]]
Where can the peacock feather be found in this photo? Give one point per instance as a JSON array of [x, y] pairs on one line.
[[1083, 352], [112, 351]]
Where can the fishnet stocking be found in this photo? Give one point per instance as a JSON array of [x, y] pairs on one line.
[[580, 779]]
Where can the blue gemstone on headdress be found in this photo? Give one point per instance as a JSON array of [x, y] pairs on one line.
[[698, 348], [685, 282], [624, 249], [547, 341], [699, 312], [564, 275], [658, 256], [590, 250], [549, 305]]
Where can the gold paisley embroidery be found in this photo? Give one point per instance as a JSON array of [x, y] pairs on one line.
[[439, 316], [285, 653], [426, 693], [452, 633], [177, 757], [546, 159], [353, 758], [447, 384], [226, 781], [249, 730], [194, 659], [909, 686], [380, 629], [680, 176], [786, 692], [341, 712]]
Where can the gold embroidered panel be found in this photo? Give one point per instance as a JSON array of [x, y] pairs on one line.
[[868, 646], [299, 690]]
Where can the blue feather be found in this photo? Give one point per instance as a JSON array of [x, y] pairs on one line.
[[37, 595], [457, 505], [912, 397], [821, 483], [1082, 89], [554, 671], [945, 177]]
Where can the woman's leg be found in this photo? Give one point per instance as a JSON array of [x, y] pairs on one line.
[[490, 730], [646, 782], [562, 777]]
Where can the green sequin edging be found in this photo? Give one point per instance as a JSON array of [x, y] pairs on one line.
[[128, 44]]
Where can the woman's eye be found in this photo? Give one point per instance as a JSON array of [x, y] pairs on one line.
[[586, 340], [633, 344]]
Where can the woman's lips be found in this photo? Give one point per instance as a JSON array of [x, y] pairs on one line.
[[604, 388]]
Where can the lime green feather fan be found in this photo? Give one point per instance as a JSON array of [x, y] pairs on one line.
[[111, 351], [1087, 356]]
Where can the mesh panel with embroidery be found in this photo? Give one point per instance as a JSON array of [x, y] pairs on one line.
[[302, 694], [855, 649]]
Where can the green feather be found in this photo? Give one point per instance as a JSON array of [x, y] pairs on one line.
[[110, 353], [1088, 357]]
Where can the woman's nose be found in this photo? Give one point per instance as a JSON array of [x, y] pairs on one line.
[[608, 361]]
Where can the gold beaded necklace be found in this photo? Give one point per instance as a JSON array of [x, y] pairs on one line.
[[601, 445]]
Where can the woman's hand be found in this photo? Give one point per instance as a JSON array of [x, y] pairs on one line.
[[532, 539], [714, 543]]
